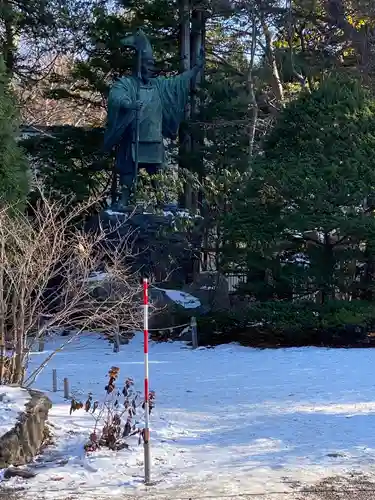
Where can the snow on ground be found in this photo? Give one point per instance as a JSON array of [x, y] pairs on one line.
[[228, 420], [12, 403]]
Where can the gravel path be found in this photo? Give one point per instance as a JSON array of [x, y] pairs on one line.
[[357, 487]]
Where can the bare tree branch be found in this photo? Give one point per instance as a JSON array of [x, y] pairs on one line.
[[49, 271]]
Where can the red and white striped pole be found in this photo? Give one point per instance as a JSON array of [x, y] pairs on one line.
[[146, 445]]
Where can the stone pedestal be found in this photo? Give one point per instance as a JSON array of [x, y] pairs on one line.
[[164, 245]]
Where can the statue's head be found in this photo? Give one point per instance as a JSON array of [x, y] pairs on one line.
[[141, 44], [147, 68]]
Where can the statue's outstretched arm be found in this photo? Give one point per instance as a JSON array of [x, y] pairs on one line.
[[191, 74]]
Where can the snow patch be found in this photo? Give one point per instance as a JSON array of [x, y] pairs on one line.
[[98, 276], [113, 212], [12, 403], [230, 420], [183, 299]]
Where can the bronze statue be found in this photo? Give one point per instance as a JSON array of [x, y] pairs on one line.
[[142, 110]]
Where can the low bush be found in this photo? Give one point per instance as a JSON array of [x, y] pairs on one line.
[[117, 417], [276, 323]]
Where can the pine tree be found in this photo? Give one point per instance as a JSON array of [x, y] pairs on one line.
[[308, 192]]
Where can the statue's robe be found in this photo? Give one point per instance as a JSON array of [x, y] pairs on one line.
[[164, 102]]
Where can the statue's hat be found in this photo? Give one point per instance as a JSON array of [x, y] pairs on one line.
[[140, 43]]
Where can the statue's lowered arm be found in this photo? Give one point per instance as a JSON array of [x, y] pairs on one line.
[[121, 111], [123, 97]]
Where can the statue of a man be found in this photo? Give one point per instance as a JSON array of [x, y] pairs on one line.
[[142, 110]]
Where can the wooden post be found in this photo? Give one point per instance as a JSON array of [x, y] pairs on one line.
[[116, 341], [194, 332], [66, 388], [54, 380], [41, 345]]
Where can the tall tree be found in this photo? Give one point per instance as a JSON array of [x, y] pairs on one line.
[[33, 30], [311, 185], [184, 156]]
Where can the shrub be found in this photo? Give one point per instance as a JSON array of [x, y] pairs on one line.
[[276, 323], [300, 224], [116, 418]]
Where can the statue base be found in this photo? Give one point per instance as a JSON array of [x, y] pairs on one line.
[[162, 249]]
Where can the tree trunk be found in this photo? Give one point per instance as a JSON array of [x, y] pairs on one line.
[[327, 288], [2, 311], [357, 36], [8, 47], [253, 105], [184, 135], [271, 60], [368, 279], [197, 138], [310, 80], [114, 185]]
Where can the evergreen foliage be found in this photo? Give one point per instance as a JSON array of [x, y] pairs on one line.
[[280, 138], [303, 220], [14, 175]]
